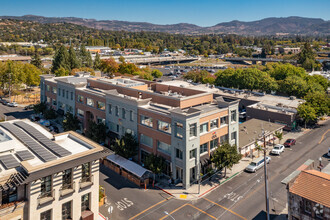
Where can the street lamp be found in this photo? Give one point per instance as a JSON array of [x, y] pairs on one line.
[[168, 214]]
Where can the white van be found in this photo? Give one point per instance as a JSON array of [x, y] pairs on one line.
[[257, 164]]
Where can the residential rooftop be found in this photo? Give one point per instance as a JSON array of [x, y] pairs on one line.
[[312, 185], [251, 130]]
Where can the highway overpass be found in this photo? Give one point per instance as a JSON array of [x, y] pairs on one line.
[[157, 60]]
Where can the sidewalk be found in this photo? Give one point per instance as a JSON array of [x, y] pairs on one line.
[[217, 179]]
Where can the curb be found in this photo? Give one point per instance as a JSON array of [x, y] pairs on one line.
[[164, 191], [214, 187], [232, 176]]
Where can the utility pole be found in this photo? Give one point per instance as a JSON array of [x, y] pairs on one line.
[[266, 178]]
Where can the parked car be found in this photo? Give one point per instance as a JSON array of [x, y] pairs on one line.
[[12, 104], [28, 107], [35, 117], [3, 101], [257, 164], [289, 142], [44, 122], [278, 149]]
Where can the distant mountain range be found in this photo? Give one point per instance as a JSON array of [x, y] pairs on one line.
[[267, 26]]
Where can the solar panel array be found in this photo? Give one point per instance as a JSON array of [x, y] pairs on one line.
[[9, 161], [33, 145], [24, 155], [50, 145]]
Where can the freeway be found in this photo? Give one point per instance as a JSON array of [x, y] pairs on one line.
[[240, 198]]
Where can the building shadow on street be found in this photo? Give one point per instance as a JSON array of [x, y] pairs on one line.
[[262, 216], [115, 179]]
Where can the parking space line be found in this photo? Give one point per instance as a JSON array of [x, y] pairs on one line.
[[150, 208], [323, 136], [202, 211], [225, 208], [177, 209]]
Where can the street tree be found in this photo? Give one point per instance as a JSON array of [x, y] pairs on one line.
[[40, 108], [156, 73], [225, 156], [155, 164], [71, 122], [279, 135], [307, 113], [320, 101], [126, 146], [258, 147], [96, 131]]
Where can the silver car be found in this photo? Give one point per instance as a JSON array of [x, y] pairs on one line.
[[257, 164]]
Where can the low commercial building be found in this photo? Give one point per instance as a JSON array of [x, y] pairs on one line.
[[308, 193], [182, 125], [47, 177], [280, 114], [251, 132], [289, 50]]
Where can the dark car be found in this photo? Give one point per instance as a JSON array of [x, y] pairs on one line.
[[28, 107], [289, 142]]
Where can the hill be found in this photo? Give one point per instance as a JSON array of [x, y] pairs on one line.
[[267, 26]]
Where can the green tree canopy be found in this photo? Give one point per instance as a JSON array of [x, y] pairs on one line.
[[97, 61], [319, 101], [71, 122], [96, 131], [61, 59], [36, 61], [126, 146], [72, 59], [226, 156], [156, 73], [306, 112]]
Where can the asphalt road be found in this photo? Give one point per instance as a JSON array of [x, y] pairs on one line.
[[13, 112], [243, 197]]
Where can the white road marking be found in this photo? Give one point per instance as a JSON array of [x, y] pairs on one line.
[[124, 204]]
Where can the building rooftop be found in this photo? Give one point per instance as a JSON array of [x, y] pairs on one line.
[[282, 109], [79, 79], [312, 185], [267, 99], [28, 146], [122, 82], [251, 130]]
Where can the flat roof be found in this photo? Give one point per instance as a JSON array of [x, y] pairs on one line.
[[265, 99], [13, 143], [251, 130]]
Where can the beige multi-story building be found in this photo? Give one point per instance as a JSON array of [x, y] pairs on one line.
[[182, 125], [45, 176]]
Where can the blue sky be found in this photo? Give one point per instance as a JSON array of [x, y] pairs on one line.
[[200, 12]]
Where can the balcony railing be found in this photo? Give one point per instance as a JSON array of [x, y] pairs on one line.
[[86, 181], [46, 197], [67, 189]]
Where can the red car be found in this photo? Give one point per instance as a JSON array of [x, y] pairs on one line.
[[289, 142]]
